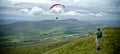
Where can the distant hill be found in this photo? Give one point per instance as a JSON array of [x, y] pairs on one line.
[[4, 22], [45, 24], [45, 31]]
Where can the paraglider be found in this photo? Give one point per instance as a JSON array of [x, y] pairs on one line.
[[54, 5], [56, 17], [57, 5]]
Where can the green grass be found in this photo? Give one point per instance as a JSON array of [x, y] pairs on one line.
[[109, 44], [86, 45], [31, 48]]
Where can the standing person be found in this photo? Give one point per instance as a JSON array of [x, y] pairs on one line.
[[98, 38]]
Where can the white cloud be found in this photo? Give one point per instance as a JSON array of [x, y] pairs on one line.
[[75, 13], [71, 13], [59, 11], [97, 14], [92, 14], [36, 11], [33, 11]]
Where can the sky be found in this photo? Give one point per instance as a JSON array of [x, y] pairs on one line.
[[78, 9]]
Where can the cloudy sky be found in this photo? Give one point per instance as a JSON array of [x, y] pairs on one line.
[[78, 9]]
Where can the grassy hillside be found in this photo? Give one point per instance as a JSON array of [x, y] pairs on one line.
[[109, 44], [31, 48]]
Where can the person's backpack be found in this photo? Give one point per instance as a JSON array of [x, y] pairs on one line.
[[100, 34]]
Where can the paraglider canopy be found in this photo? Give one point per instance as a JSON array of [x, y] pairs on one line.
[[54, 5]]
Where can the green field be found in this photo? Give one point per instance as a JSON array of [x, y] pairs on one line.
[[86, 45], [109, 44], [31, 48]]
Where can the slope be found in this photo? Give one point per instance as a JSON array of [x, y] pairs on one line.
[[109, 44], [31, 48]]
